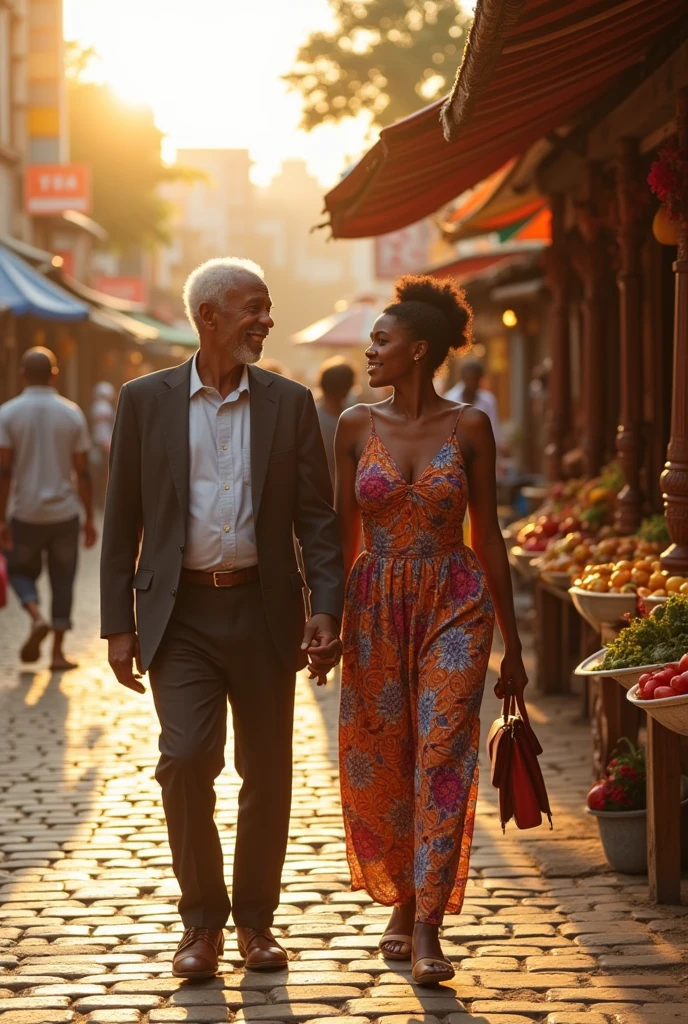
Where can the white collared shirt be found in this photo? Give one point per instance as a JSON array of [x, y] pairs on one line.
[[219, 529]]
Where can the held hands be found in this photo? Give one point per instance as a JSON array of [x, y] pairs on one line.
[[512, 675], [123, 650], [322, 645]]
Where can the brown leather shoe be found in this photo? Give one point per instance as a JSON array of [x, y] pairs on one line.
[[198, 952], [261, 950]]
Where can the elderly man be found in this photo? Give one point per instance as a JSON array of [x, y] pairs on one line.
[[214, 466]]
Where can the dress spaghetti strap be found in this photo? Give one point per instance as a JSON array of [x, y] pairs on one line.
[[456, 423], [372, 420]]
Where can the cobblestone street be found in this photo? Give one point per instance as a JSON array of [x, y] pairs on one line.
[[88, 920]]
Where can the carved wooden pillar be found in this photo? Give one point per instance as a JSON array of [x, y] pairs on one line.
[[674, 479], [630, 190], [558, 280], [592, 258]]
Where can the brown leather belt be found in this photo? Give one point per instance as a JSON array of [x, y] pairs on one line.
[[220, 578]]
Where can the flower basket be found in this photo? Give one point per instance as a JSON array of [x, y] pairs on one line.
[[671, 712]]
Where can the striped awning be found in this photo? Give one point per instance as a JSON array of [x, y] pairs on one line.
[[530, 67]]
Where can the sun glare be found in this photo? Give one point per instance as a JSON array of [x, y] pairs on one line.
[[211, 72]]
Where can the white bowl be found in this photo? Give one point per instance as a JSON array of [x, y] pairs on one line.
[[556, 578], [626, 677], [653, 602], [598, 609], [671, 712], [523, 561]]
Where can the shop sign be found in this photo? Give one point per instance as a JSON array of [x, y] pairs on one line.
[[402, 252], [52, 189], [126, 287]]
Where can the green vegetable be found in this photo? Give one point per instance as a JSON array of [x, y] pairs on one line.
[[660, 638], [654, 529]]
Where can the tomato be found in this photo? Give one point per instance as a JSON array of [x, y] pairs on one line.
[[683, 663], [649, 688], [644, 678], [679, 684], [663, 691]]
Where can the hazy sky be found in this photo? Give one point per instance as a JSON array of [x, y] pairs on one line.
[[211, 71]]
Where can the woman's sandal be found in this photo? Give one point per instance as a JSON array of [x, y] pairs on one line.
[[423, 974], [406, 940]]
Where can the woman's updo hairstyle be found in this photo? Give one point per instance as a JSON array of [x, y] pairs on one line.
[[434, 311]]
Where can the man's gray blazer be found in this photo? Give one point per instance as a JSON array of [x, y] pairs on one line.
[[147, 502]]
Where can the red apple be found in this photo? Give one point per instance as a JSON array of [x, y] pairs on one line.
[[644, 678], [665, 676], [597, 797], [663, 691], [683, 663], [674, 666]]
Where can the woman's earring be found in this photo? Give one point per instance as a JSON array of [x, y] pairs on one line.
[[416, 359]]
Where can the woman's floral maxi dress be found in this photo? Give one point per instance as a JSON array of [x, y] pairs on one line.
[[418, 626]]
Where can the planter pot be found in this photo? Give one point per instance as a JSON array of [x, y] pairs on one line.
[[623, 835]]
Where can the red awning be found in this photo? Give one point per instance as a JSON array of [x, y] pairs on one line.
[[517, 83]]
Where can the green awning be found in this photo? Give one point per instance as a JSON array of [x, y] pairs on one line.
[[167, 334]]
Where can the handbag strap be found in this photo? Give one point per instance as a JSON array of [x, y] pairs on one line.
[[512, 702]]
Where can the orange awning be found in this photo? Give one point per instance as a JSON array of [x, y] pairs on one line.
[[530, 67]]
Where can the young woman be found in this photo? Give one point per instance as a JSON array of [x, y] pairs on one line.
[[418, 622]]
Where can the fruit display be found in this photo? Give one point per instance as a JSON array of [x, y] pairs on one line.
[[660, 638], [629, 565], [669, 681], [571, 507]]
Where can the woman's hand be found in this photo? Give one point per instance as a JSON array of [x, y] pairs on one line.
[[512, 675]]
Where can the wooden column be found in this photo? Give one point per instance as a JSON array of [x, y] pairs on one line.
[[674, 479], [630, 191], [663, 813], [591, 254], [558, 280]]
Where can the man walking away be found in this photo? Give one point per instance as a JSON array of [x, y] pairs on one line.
[[336, 380], [44, 446]]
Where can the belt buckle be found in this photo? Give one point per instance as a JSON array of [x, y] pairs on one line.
[[216, 573]]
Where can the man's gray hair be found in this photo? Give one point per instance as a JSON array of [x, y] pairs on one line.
[[212, 280]]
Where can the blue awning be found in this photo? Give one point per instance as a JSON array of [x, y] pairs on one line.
[[23, 291]]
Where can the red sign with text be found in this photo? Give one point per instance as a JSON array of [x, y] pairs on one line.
[[130, 288], [51, 189]]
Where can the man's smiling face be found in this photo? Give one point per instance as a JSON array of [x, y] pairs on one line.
[[243, 321]]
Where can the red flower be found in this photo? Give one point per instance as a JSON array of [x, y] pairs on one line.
[[365, 842], [447, 789], [626, 772], [668, 179]]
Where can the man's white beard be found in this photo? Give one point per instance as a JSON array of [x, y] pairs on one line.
[[243, 353]]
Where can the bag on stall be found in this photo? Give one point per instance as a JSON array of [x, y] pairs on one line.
[[513, 749]]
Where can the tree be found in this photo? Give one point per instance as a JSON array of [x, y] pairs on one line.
[[385, 57], [121, 144]]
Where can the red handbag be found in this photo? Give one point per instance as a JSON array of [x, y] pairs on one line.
[[513, 749]]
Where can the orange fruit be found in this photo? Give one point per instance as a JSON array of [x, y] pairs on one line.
[[656, 581], [640, 577], [674, 584], [683, 589]]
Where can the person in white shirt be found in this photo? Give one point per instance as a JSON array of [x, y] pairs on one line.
[[468, 391], [44, 446]]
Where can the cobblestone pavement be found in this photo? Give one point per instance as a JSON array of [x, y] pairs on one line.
[[87, 897]]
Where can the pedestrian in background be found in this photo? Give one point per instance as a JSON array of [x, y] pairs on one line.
[[469, 392], [102, 416], [44, 447], [336, 379]]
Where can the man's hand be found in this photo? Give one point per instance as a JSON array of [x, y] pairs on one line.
[[90, 534], [323, 646], [123, 650], [6, 543]]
